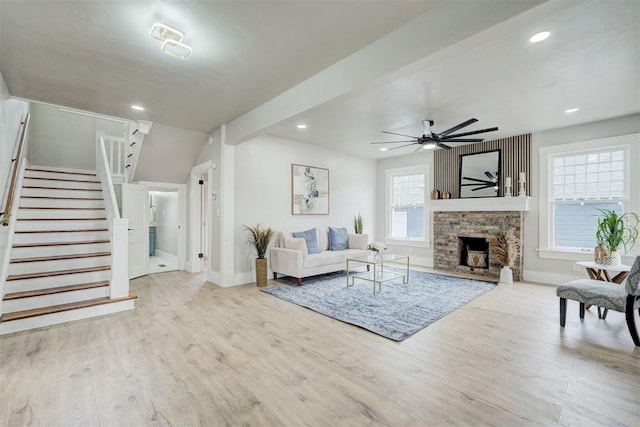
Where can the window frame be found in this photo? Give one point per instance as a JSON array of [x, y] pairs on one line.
[[630, 202], [407, 170]]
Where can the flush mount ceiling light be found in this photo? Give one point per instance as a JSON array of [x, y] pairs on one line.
[[571, 110], [164, 32], [176, 49], [538, 37], [302, 126], [137, 107]]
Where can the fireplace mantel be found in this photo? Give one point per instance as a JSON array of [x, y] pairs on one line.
[[481, 204]]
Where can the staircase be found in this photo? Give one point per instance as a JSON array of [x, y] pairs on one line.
[[60, 264]]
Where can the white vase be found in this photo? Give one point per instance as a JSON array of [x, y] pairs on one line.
[[506, 275], [614, 259]]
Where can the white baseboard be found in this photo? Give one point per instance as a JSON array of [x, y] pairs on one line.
[[549, 278], [215, 277], [167, 255]]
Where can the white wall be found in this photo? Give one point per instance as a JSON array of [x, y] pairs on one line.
[[262, 181], [62, 139], [550, 270], [12, 112], [419, 255], [166, 207]]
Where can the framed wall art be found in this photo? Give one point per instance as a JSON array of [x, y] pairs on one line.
[[309, 190]]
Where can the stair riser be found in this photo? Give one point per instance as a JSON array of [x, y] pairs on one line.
[[57, 265], [44, 214], [76, 194], [59, 250], [26, 202], [31, 182], [43, 225], [58, 169], [53, 175], [21, 304], [66, 316], [55, 281], [20, 238]]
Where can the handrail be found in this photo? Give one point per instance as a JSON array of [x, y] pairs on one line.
[[105, 171], [14, 174]]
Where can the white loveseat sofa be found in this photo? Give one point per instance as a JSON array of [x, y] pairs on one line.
[[289, 255]]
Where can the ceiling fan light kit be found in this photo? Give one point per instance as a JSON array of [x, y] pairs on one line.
[[430, 140]]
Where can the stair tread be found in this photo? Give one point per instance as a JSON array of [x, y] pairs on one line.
[[16, 315], [57, 273], [42, 187], [83, 242], [61, 179], [60, 257], [59, 208], [62, 219], [60, 198], [57, 171], [56, 290], [60, 231]]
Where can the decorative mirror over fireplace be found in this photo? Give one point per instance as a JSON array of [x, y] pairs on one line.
[[480, 174]]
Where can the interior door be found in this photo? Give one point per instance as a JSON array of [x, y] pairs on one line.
[[134, 207]]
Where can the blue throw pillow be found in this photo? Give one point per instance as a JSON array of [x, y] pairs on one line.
[[311, 239], [338, 239]]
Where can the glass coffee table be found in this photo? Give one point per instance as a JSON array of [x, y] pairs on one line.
[[376, 273]]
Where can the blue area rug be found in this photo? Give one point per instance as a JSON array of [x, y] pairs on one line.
[[398, 312]]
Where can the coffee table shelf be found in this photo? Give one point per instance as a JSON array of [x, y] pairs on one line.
[[375, 270]]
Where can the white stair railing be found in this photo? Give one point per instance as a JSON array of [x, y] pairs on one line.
[[118, 227], [115, 150]]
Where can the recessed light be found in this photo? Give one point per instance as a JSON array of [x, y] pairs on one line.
[[137, 107], [302, 126], [538, 37], [383, 149], [571, 110], [429, 146]]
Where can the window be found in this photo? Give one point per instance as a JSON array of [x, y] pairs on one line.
[[406, 219], [575, 180], [582, 183]]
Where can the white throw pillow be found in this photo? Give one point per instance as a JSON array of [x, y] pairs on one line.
[[297, 243], [358, 241]]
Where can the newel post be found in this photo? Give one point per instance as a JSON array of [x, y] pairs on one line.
[[119, 286]]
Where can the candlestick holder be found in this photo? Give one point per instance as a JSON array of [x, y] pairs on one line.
[[523, 192], [507, 190]]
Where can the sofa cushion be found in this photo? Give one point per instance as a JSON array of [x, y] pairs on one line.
[[358, 241], [297, 243], [338, 239], [594, 292], [323, 239], [311, 239]]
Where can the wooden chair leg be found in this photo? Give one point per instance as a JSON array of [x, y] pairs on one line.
[[631, 321], [299, 281], [563, 311], [582, 310]]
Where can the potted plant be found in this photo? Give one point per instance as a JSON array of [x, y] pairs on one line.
[[506, 249], [615, 230], [357, 223], [260, 237]]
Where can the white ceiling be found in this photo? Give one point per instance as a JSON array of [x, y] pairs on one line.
[[467, 62]]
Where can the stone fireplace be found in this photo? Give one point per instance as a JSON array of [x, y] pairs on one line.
[[463, 229]]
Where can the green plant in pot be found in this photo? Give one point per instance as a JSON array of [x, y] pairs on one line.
[[260, 237], [616, 230], [357, 223]]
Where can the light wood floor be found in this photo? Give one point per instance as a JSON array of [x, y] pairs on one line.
[[196, 354]]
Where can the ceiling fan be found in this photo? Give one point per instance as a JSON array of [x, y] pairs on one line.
[[430, 139]]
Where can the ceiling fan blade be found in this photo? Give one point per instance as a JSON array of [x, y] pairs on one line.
[[464, 140], [399, 134], [420, 147], [402, 146], [471, 133], [393, 142], [482, 181], [460, 126], [441, 145], [483, 187], [489, 175]]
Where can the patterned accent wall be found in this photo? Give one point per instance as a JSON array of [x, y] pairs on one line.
[[515, 158]]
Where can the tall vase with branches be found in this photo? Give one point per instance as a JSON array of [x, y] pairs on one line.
[[260, 237], [506, 249]]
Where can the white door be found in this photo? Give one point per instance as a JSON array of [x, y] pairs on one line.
[[134, 207]]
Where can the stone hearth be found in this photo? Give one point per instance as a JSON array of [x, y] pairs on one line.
[[451, 228]]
